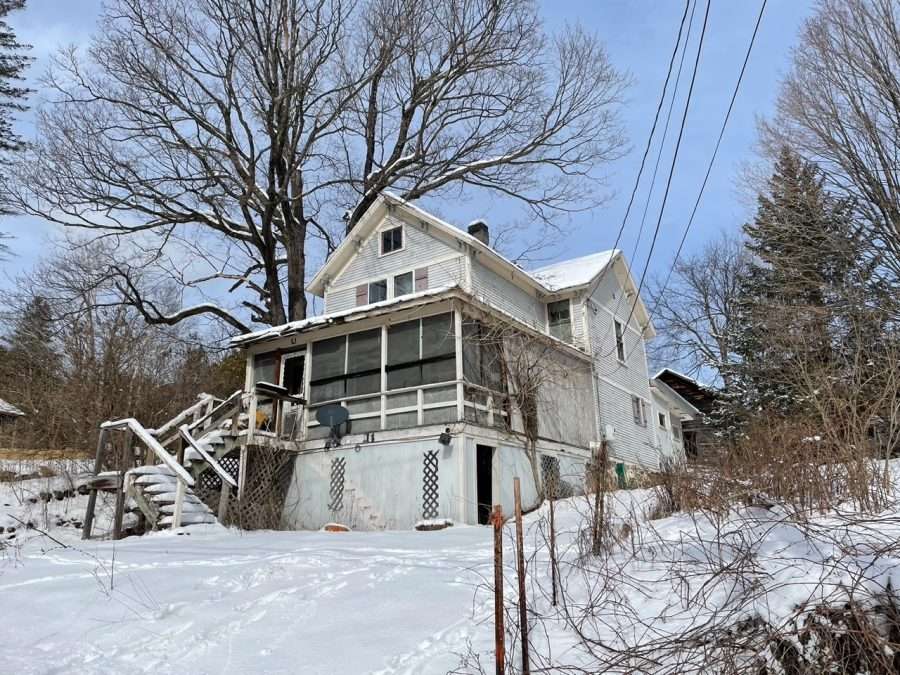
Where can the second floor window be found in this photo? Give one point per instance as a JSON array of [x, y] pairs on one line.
[[560, 319], [620, 341], [378, 291], [662, 420], [391, 240], [639, 410], [403, 284]]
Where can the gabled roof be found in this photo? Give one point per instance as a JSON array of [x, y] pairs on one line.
[[9, 410], [576, 272], [699, 395]]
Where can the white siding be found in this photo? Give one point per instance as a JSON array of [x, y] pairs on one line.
[[502, 293], [564, 401], [420, 249], [617, 382]]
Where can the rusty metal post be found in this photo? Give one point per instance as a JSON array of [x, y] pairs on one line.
[[499, 638], [520, 569], [553, 549]]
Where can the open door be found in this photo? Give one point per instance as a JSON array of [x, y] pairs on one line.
[[484, 480], [292, 368]]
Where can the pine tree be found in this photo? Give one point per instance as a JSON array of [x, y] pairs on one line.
[[12, 95], [12, 64], [801, 283]]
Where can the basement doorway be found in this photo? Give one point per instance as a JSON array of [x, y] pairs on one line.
[[484, 481]]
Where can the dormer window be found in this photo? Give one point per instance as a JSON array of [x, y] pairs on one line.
[[559, 315], [391, 240]]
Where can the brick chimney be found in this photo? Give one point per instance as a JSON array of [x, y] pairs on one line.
[[479, 230]]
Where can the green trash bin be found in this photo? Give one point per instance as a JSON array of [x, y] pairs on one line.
[[621, 479]]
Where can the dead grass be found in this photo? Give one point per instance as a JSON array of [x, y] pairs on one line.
[[18, 454]]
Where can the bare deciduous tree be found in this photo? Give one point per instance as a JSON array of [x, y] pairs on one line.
[[225, 135], [840, 107], [695, 313]]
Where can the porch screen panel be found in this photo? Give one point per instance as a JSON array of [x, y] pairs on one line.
[[421, 352], [403, 369], [327, 369], [364, 362], [438, 349]]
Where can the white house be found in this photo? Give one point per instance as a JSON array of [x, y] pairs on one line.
[[435, 430]]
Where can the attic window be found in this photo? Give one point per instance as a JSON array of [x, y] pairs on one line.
[[560, 319], [662, 419], [391, 240]]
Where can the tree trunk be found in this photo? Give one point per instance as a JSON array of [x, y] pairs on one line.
[[296, 277]]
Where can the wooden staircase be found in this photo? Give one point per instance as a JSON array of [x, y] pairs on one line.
[[154, 489], [163, 491]]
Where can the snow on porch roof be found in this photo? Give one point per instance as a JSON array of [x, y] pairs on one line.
[[322, 319], [9, 409], [576, 272]]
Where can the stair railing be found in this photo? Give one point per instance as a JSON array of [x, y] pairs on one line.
[[183, 479], [226, 478]]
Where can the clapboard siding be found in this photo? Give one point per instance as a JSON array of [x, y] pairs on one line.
[[564, 400], [631, 443], [441, 273], [420, 248], [493, 289], [617, 382]]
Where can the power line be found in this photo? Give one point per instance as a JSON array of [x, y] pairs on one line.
[[712, 159], [662, 99], [662, 208]]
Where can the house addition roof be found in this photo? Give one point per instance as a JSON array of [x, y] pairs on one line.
[[576, 272], [9, 410]]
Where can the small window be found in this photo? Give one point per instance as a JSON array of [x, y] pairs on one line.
[[638, 411], [378, 291], [662, 420], [264, 368], [620, 342], [560, 316], [391, 240], [676, 432], [403, 284]]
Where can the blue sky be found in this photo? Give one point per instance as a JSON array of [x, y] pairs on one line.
[[639, 35]]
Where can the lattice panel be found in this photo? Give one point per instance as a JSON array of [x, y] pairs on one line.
[[550, 476], [209, 480], [430, 485], [337, 484]]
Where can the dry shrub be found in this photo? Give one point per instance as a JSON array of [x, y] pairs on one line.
[[858, 636]]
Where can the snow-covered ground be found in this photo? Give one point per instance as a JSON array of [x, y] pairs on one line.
[[212, 600]]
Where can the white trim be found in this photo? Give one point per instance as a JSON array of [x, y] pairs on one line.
[[381, 230]]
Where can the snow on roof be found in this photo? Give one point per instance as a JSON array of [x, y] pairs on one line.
[[9, 409], [297, 326], [575, 272]]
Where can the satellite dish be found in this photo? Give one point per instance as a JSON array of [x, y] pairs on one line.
[[333, 416]]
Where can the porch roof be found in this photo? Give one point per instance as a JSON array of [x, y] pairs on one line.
[[293, 327], [387, 306]]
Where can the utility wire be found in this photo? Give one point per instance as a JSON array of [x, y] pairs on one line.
[[662, 99], [662, 207], [712, 159]]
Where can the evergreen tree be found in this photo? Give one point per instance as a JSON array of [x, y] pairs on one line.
[[31, 365], [803, 282], [12, 64]]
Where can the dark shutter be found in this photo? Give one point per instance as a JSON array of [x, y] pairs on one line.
[[362, 295]]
